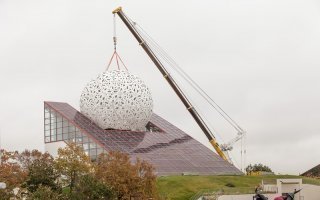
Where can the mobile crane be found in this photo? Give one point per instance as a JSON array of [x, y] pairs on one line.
[[221, 150]]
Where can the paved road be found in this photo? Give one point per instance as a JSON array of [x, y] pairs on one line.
[[310, 192], [244, 197]]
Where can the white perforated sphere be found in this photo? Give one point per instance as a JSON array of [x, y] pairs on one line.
[[117, 100]]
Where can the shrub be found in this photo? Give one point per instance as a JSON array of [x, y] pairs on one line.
[[230, 185]]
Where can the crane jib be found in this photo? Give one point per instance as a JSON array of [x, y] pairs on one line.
[[171, 82]]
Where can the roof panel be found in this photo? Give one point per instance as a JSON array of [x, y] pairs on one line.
[[171, 151]]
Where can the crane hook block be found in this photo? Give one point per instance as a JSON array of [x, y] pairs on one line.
[[117, 10]]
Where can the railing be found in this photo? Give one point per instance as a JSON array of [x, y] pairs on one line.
[[207, 194], [270, 189]]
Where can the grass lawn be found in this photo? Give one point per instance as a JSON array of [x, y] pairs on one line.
[[184, 187]]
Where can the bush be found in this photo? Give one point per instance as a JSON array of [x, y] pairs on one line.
[[41, 172], [257, 168], [45, 193], [125, 178], [88, 187], [230, 185]]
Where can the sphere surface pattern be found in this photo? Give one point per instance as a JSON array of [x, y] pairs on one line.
[[117, 100]]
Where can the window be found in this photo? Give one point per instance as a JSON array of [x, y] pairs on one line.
[[58, 128]]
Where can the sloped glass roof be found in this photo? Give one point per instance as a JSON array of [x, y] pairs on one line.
[[169, 149]]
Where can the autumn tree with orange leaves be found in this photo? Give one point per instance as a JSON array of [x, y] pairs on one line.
[[72, 163], [11, 173], [128, 180], [40, 176]]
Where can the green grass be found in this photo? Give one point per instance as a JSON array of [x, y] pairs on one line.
[[184, 187]]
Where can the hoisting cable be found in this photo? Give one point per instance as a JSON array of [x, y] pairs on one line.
[[194, 85], [117, 62], [163, 57], [157, 48], [115, 53], [199, 110], [147, 43], [241, 154], [111, 60], [187, 78], [114, 33]]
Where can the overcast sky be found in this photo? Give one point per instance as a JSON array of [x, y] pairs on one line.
[[259, 60]]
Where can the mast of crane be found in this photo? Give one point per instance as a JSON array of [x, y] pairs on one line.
[[171, 82]]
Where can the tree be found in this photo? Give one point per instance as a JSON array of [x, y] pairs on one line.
[[45, 193], [114, 175], [257, 168], [41, 172], [71, 163], [147, 178], [11, 173], [27, 157], [126, 179], [89, 187]]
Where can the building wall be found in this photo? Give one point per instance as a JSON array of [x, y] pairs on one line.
[[53, 147], [289, 185]]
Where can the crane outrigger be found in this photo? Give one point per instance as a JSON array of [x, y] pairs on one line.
[[219, 149]]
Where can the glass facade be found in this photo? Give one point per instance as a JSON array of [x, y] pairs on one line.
[[170, 150], [58, 128]]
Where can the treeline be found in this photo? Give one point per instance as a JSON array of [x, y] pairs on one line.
[[36, 175], [257, 168]]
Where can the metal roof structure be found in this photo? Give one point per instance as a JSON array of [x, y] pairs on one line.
[[313, 172], [169, 149]]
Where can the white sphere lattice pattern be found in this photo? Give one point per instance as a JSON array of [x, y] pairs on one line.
[[117, 100]]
